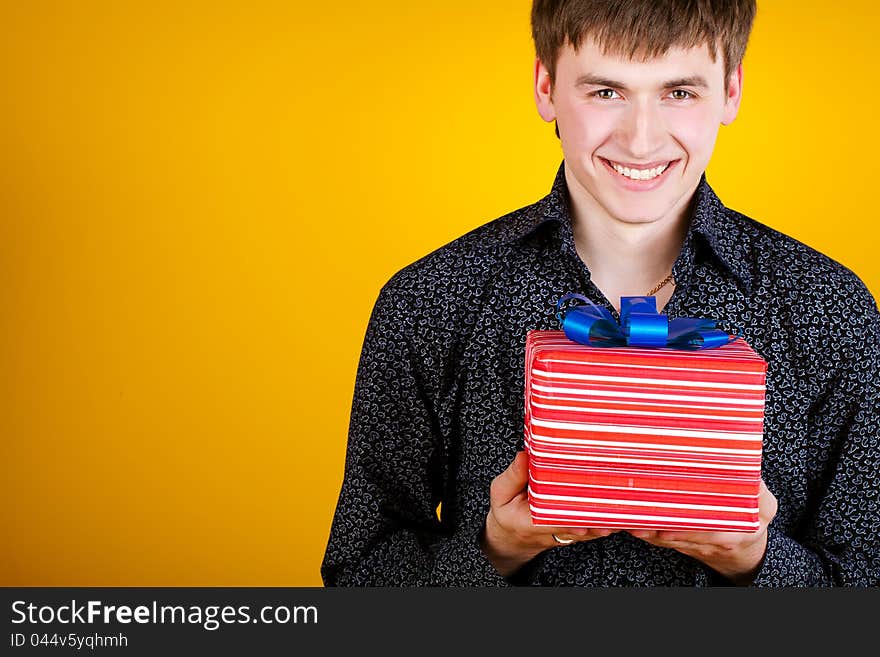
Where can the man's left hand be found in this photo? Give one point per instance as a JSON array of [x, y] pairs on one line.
[[735, 555]]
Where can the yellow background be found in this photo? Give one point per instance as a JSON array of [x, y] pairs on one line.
[[199, 202]]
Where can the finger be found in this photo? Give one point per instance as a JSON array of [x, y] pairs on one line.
[[657, 538], [691, 537], [644, 534], [578, 534], [602, 532], [586, 533], [684, 547], [510, 483], [767, 503]]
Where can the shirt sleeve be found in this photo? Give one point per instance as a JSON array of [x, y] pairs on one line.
[[385, 530], [839, 544]]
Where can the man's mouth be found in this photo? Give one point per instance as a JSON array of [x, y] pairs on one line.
[[649, 171]]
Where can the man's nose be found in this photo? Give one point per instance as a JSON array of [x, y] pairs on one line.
[[642, 130]]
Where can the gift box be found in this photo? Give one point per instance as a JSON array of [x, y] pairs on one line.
[[643, 438]]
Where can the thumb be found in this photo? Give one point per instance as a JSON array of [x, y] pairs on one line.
[[511, 482]]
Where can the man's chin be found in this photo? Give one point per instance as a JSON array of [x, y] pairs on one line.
[[638, 218], [637, 213]]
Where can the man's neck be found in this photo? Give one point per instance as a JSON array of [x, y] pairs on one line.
[[626, 259]]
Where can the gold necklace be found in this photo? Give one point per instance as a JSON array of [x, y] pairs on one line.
[[668, 279]]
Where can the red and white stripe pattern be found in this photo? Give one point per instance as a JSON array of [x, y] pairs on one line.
[[643, 438]]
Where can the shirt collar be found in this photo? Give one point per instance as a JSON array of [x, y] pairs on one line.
[[714, 230]]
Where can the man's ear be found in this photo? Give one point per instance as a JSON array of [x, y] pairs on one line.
[[733, 95], [543, 92]]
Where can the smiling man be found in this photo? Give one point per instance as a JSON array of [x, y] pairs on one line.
[[638, 90], [637, 137]]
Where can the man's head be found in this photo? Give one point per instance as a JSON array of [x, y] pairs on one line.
[[646, 83]]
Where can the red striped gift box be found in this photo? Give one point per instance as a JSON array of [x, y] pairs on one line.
[[642, 438]]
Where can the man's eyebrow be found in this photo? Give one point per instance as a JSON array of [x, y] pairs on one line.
[[599, 81]]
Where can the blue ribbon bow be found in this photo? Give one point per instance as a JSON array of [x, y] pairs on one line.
[[640, 326]]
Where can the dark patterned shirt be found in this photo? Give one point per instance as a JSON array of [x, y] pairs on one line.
[[438, 404]]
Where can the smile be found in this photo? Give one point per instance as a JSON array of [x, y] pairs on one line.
[[642, 175]]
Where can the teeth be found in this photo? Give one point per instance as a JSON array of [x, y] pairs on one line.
[[640, 174]]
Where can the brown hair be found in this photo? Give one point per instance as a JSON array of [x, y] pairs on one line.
[[643, 29]]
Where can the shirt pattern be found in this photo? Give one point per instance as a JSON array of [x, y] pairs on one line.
[[438, 405]]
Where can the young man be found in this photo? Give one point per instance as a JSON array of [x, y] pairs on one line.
[[638, 90]]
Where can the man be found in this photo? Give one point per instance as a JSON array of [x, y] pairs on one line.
[[638, 91]]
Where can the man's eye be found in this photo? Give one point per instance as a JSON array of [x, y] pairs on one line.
[[606, 94], [680, 94]]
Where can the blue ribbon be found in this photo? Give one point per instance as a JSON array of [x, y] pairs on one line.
[[640, 326]]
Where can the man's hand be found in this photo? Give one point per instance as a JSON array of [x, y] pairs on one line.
[[510, 540], [735, 555]]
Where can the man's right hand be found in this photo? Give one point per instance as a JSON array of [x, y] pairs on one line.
[[510, 540]]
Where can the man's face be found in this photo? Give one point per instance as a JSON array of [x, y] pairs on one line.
[[637, 137]]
